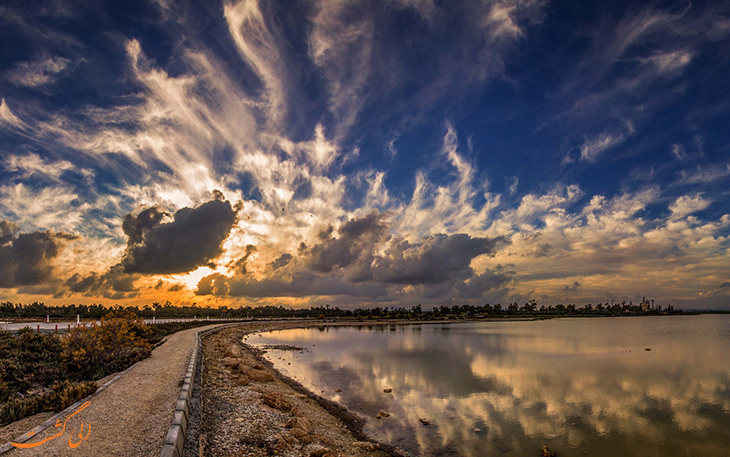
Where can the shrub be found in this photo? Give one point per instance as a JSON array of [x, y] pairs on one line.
[[65, 393], [28, 359], [46, 372], [62, 395], [95, 351]]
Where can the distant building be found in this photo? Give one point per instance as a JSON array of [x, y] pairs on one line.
[[644, 305]]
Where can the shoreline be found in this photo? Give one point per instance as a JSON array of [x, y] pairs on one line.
[[351, 420], [347, 438]]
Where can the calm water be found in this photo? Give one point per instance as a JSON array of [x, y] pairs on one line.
[[581, 386]]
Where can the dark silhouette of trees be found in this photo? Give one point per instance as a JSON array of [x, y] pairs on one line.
[[37, 310]]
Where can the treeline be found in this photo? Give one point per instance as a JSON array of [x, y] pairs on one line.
[[168, 310]]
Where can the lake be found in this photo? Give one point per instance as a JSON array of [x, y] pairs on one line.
[[580, 386]]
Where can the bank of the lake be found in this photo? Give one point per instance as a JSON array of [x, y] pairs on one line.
[[250, 409]]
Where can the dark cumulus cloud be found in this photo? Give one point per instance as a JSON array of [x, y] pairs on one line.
[[436, 259], [214, 284], [26, 259], [479, 285], [355, 243], [240, 265], [191, 239], [160, 243], [7, 231], [362, 260], [542, 250], [281, 261], [114, 284]]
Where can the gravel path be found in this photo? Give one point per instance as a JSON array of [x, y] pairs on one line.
[[131, 417]]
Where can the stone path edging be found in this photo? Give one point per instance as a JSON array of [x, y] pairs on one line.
[[175, 438]]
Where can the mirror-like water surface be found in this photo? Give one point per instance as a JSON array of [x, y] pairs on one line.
[[581, 386]]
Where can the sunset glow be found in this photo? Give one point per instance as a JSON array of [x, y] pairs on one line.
[[365, 153]]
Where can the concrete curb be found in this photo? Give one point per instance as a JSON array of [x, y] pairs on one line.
[[175, 438], [52, 420]]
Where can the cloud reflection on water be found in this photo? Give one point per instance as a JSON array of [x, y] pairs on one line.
[[576, 385]]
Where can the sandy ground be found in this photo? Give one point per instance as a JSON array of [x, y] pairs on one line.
[[10, 431], [131, 417]]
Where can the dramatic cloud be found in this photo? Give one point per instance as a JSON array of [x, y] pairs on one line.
[[114, 284], [192, 238], [611, 247], [7, 231], [26, 259], [215, 284], [160, 243], [364, 66], [260, 45], [281, 261], [688, 204], [364, 261], [357, 239], [32, 165], [8, 117], [490, 286], [434, 260]]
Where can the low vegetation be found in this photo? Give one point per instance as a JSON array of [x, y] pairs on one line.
[[48, 372], [95, 351]]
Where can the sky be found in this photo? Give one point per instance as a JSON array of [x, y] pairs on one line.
[[365, 153]]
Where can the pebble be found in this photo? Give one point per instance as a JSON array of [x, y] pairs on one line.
[[366, 445], [299, 433], [318, 451], [299, 422]]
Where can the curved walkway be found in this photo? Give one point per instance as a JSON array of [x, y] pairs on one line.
[[130, 417]]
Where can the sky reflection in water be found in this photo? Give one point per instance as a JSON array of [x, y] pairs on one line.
[[581, 386]]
